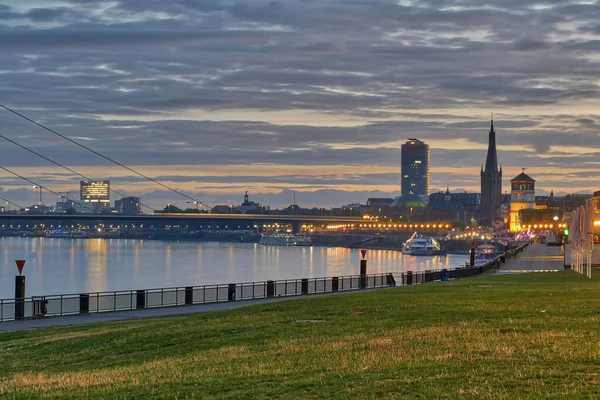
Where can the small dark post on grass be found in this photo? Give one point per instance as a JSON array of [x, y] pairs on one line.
[[304, 289], [20, 291], [140, 299], [472, 254], [363, 269]]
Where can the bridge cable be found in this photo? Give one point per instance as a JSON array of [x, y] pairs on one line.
[[62, 166], [101, 155], [8, 201], [41, 186]]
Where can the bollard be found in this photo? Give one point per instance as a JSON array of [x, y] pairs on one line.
[[472, 256], [140, 299], [335, 284], [19, 297], [363, 274], [189, 295], [270, 289], [84, 304], [390, 280], [231, 292], [304, 289]]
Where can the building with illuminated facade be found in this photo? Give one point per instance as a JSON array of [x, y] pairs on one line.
[[95, 195], [415, 168], [522, 197]]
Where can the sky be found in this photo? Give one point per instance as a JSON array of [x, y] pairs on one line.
[[312, 97]]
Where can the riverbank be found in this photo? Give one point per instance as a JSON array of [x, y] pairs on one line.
[[502, 337], [387, 241]]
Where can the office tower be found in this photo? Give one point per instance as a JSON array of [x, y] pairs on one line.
[[95, 195], [415, 168]]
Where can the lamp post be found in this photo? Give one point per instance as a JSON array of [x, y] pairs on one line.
[[196, 202], [39, 187]]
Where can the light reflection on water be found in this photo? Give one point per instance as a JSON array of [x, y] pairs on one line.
[[61, 266]]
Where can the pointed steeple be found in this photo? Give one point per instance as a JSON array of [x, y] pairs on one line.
[[491, 162]]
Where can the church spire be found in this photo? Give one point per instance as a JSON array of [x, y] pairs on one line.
[[491, 162]]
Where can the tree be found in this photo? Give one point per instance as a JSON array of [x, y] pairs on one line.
[[170, 208]]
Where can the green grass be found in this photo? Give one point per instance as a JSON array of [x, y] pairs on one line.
[[496, 337]]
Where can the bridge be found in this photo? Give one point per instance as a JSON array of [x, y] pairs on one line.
[[258, 222]]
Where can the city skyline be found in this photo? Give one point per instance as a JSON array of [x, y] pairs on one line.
[[222, 97]]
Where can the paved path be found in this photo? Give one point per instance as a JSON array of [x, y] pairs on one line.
[[535, 258], [13, 326]]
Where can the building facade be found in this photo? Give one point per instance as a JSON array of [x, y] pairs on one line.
[[491, 178], [129, 205], [415, 168], [522, 198], [95, 194]]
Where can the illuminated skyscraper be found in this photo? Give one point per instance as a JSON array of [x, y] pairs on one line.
[[96, 194], [415, 168]]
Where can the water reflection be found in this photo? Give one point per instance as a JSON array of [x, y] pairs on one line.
[[57, 266]]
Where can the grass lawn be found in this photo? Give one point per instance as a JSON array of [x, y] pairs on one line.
[[496, 337]]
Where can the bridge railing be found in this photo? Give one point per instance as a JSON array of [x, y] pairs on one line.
[[99, 302]]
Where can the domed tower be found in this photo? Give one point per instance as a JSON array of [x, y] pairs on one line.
[[522, 196]]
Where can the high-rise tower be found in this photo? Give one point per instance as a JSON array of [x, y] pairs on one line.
[[491, 178], [415, 168]]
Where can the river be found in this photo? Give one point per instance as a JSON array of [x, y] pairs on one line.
[[64, 266]]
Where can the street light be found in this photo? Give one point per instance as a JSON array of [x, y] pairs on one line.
[[39, 187], [195, 202]]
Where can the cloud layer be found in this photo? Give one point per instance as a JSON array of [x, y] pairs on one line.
[[221, 96]]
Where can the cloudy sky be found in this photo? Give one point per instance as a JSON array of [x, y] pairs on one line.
[[216, 97]]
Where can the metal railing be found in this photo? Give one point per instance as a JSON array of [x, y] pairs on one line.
[[99, 302]]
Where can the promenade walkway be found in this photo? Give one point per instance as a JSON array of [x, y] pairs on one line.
[[535, 258], [13, 326]]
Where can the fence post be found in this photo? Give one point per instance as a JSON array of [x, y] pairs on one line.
[[270, 289], [140, 299], [409, 277], [363, 274], [84, 303], [304, 286], [189, 295], [231, 292]]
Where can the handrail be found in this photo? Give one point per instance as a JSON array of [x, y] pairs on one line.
[[118, 300]]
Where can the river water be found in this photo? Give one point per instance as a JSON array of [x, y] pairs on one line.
[[64, 266]]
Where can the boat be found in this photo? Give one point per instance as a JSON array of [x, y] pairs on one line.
[[419, 245], [485, 253], [67, 234], [285, 239]]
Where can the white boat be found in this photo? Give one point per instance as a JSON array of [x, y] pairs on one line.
[[285, 239], [419, 245], [485, 253]]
